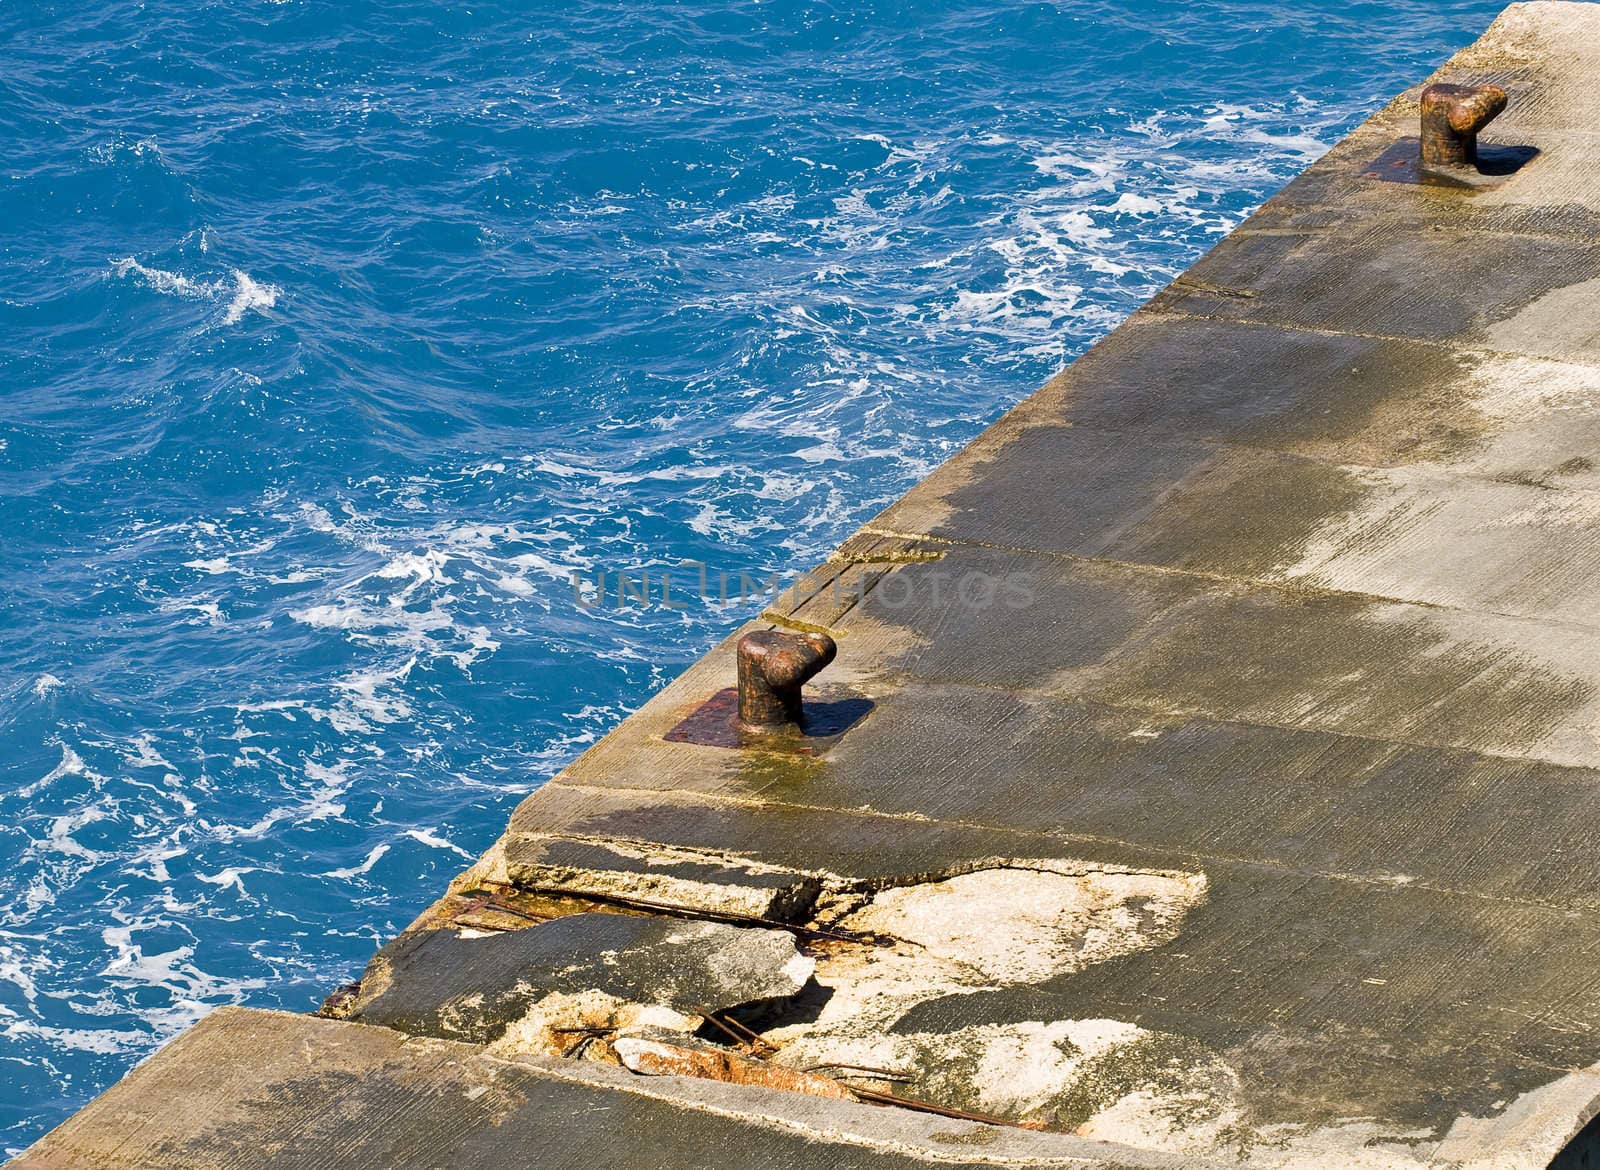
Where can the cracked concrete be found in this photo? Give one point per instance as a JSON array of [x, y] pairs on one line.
[[985, 929], [514, 988], [705, 880]]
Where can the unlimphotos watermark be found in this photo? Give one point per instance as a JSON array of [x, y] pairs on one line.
[[890, 587]]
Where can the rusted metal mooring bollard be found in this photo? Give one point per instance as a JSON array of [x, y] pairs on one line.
[[1452, 115], [773, 666]]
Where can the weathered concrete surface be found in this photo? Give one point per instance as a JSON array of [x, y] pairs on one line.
[[246, 1090], [473, 986], [1229, 790]]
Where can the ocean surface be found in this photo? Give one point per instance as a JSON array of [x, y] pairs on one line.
[[335, 338]]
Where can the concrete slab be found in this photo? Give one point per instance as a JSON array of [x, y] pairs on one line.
[[1385, 278], [1370, 467], [1096, 776], [1172, 644], [1338, 399], [248, 1089], [472, 986]]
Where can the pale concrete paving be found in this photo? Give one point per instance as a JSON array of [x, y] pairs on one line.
[[1226, 792]]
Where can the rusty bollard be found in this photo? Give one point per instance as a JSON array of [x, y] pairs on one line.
[[773, 666], [1452, 115]]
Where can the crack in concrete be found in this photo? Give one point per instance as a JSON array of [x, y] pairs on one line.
[[1087, 839]]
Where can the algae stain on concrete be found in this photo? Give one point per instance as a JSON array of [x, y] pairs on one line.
[[1396, 404], [1356, 667], [779, 775], [1243, 514]]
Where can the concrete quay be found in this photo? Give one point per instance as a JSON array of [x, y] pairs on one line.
[[1208, 776]]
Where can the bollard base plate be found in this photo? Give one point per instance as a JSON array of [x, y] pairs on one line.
[[1402, 163], [715, 723]]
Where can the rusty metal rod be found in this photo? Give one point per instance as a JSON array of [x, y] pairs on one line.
[[751, 1038], [677, 911], [577, 1047], [496, 904], [878, 1098], [882, 1074], [710, 1017]]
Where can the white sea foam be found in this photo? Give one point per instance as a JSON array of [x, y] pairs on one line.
[[16, 956], [151, 863], [205, 611], [243, 292], [431, 838], [120, 148], [62, 827], [191, 991], [249, 294], [568, 470], [425, 568], [517, 585], [1132, 204], [231, 878], [408, 603], [321, 803], [214, 566], [372, 694], [371, 860], [101, 1041], [145, 755], [170, 283], [71, 765]]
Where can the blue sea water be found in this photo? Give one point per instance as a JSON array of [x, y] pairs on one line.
[[335, 337]]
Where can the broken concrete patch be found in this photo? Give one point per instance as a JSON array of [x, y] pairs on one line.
[[582, 1025], [471, 986], [1027, 923], [999, 926], [686, 879], [1006, 925], [1060, 1075]]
